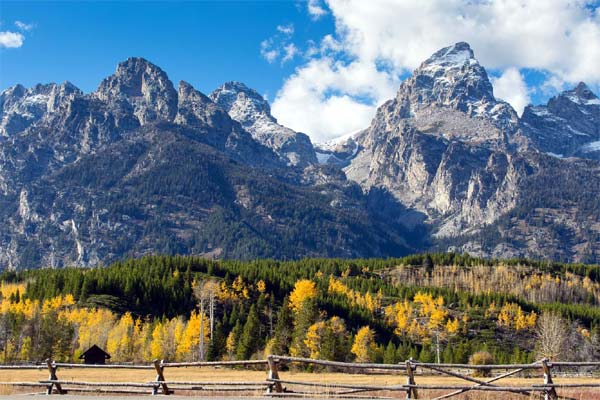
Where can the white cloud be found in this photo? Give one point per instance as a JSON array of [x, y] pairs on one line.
[[552, 85], [23, 26], [511, 87], [267, 51], [279, 45], [286, 29], [290, 51], [559, 37], [328, 98], [11, 40], [315, 9]]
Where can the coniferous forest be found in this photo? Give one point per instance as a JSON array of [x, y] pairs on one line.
[[429, 307]]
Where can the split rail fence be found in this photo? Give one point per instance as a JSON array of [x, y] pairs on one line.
[[274, 386]]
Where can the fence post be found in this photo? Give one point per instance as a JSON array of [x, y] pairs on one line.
[[411, 393], [550, 392], [53, 377], [160, 378], [273, 374]]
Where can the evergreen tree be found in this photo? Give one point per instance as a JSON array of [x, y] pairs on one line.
[[232, 340], [305, 314], [250, 339], [283, 330], [389, 354]]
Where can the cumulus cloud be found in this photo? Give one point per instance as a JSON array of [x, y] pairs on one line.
[[328, 98], [561, 38], [11, 40], [511, 87]]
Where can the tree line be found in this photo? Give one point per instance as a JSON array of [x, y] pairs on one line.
[[189, 308]]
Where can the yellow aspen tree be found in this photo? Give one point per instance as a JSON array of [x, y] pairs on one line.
[[189, 339], [158, 339], [303, 289], [144, 341], [261, 286], [163, 344], [230, 344], [403, 316], [119, 343], [531, 320], [314, 334], [452, 326], [520, 321], [364, 347]]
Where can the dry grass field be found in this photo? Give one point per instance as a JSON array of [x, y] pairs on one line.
[[234, 375]]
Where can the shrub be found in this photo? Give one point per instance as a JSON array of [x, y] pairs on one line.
[[481, 358]]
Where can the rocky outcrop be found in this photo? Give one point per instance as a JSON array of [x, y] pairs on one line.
[[20, 108], [253, 112], [142, 88], [137, 168]]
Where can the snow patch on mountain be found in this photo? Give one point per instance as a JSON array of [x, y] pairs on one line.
[[253, 112]]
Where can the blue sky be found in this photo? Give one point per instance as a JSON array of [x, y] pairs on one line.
[[324, 64], [204, 43]]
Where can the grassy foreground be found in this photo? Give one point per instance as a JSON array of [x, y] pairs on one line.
[[229, 375]]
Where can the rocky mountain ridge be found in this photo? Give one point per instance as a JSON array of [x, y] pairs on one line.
[[253, 112], [140, 167], [447, 149], [568, 126]]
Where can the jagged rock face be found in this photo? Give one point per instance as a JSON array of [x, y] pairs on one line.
[[435, 137], [197, 110], [337, 152], [569, 125], [454, 79], [137, 167], [20, 107], [254, 114], [445, 147], [142, 87]]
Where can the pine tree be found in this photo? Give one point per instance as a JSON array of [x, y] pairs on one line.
[[304, 316], [389, 355], [232, 340], [250, 339], [283, 330]]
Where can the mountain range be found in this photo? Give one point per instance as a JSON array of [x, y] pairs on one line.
[[140, 167]]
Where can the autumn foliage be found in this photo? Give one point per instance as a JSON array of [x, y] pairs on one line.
[[363, 310]]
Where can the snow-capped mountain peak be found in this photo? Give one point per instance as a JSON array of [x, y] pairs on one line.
[[456, 56]]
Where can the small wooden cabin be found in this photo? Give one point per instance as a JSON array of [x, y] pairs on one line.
[[94, 355]]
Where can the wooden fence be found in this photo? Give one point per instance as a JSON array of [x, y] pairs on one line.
[[274, 386]]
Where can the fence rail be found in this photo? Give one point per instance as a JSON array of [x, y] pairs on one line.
[[273, 385]]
